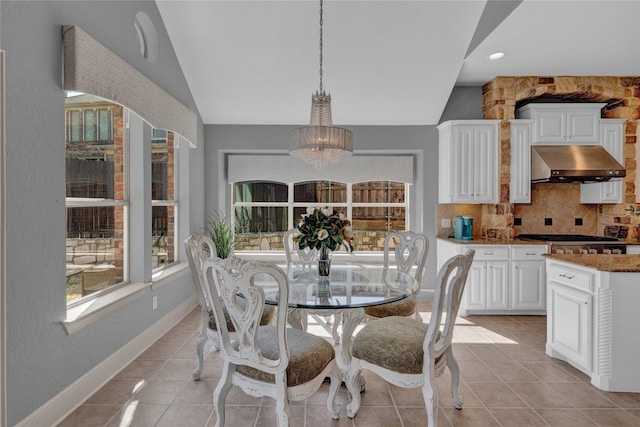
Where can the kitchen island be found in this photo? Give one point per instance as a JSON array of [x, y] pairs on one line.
[[593, 315]]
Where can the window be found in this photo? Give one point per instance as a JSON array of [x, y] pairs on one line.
[[96, 196], [264, 210], [163, 197]]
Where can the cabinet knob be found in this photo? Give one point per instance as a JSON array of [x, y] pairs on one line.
[[567, 276]]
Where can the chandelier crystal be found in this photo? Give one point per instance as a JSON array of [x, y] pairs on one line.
[[321, 143]]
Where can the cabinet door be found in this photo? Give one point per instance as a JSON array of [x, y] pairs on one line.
[[485, 166], [550, 126], [611, 131], [475, 291], [528, 285], [497, 285], [520, 181], [583, 126], [571, 324], [463, 163]]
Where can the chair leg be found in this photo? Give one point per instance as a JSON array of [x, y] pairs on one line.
[[352, 381], [283, 412], [337, 318], [336, 379], [202, 340], [430, 396], [452, 364], [221, 391]]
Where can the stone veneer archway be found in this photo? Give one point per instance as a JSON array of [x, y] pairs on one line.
[[500, 97]]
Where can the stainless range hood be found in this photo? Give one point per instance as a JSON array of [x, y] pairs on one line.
[[573, 163]]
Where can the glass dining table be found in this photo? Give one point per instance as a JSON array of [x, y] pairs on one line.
[[347, 291]]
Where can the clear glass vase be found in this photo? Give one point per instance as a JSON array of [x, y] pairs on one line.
[[324, 262]]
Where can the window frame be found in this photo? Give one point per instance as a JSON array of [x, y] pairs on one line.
[[290, 204]]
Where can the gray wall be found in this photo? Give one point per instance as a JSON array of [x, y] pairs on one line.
[[421, 140], [42, 360]]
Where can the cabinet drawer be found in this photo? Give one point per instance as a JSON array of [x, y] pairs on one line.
[[528, 252], [574, 278], [489, 252]]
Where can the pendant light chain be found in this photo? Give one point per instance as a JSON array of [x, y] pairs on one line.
[[321, 22]]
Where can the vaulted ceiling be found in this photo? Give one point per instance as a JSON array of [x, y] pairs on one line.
[[385, 62]]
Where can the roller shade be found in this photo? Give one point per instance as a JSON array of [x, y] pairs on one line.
[[90, 67], [288, 169]]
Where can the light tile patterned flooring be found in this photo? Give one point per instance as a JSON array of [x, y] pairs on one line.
[[507, 380]]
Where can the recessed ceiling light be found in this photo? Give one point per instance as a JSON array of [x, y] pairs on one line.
[[497, 55]]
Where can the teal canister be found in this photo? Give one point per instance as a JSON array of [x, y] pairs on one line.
[[467, 227], [458, 226]]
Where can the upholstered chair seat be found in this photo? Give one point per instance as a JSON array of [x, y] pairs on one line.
[[405, 307], [309, 355]]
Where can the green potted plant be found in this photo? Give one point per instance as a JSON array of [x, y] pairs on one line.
[[218, 228]]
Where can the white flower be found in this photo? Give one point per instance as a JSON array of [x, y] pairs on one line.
[[310, 210], [341, 216], [301, 223], [322, 234], [327, 211]]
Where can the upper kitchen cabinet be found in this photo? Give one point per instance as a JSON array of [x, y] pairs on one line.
[[563, 122], [612, 139], [520, 172], [468, 161]]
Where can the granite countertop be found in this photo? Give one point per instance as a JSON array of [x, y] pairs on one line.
[[486, 241], [601, 262]]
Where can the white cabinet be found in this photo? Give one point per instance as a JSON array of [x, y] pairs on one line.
[[570, 332], [592, 321], [468, 161], [528, 277], [487, 282], [612, 139], [504, 279], [520, 173], [563, 122], [570, 306]]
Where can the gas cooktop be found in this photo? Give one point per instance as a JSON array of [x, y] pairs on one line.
[[567, 238]]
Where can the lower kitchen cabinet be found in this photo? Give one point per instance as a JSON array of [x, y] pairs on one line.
[[569, 335], [592, 322], [503, 279]]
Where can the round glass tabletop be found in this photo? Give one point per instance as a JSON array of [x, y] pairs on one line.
[[346, 287]]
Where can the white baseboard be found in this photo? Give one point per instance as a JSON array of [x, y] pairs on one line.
[[58, 408]]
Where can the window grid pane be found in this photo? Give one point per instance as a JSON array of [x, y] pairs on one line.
[[376, 208], [163, 217], [96, 238]]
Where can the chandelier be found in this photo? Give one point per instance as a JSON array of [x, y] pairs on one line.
[[321, 143]]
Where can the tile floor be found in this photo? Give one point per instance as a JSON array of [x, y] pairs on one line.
[[507, 380]]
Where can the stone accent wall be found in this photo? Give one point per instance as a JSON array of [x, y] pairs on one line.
[[363, 241], [87, 252], [623, 95]]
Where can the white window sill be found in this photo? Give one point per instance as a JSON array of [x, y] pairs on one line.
[[84, 314]]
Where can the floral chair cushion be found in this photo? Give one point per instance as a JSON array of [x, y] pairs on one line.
[[308, 355], [395, 343], [404, 307]]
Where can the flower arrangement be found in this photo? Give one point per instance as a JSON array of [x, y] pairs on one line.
[[321, 229]]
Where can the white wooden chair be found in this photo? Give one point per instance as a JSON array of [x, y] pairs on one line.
[[410, 252], [306, 257], [409, 353], [308, 260], [198, 248], [275, 361]]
